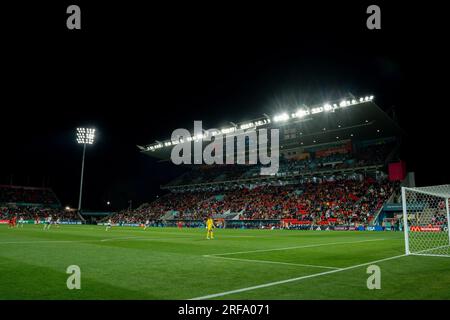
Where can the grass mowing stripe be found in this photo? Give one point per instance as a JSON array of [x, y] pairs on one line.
[[273, 262], [221, 294]]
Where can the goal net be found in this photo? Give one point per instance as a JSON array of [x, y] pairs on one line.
[[425, 219]]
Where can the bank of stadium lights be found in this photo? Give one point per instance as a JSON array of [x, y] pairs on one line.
[[254, 124], [300, 113], [85, 135], [283, 117], [327, 107]]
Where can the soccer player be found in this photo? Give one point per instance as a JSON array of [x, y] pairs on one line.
[[147, 224], [58, 222], [21, 222], [209, 227], [48, 222], [12, 222], [108, 224]]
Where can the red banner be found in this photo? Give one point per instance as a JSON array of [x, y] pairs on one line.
[[424, 229], [397, 171], [295, 221], [346, 148]]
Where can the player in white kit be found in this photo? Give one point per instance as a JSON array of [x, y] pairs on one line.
[[48, 223], [108, 224]]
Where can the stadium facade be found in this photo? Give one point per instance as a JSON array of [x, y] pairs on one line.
[[350, 145]]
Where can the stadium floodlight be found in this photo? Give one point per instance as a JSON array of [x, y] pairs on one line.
[[327, 107], [248, 125], [228, 130], [300, 113], [85, 136], [281, 117]]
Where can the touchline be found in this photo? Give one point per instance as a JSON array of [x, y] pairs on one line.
[[235, 142]]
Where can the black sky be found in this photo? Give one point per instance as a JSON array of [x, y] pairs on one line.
[[136, 73]]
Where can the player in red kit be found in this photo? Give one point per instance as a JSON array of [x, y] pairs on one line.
[[12, 222]]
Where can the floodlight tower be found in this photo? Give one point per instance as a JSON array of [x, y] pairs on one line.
[[85, 136]]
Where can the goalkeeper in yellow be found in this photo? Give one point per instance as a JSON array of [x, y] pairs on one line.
[[210, 227]]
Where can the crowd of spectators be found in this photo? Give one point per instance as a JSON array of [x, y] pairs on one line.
[[15, 194], [31, 204], [343, 201], [34, 213], [313, 162]]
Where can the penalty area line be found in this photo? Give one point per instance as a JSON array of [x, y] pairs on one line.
[[296, 247], [270, 284], [273, 262]]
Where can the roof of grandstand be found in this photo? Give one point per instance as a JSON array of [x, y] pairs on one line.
[[355, 118]]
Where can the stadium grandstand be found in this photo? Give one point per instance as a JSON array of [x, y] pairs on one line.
[[33, 205], [339, 167]]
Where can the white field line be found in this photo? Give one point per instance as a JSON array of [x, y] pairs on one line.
[[46, 241], [193, 234], [119, 238], [296, 247], [429, 255], [175, 238], [141, 238], [270, 284], [431, 249], [145, 239], [90, 240], [273, 262]]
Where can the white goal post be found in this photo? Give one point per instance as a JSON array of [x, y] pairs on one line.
[[425, 220]]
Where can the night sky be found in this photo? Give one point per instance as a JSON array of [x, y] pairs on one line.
[[136, 74]]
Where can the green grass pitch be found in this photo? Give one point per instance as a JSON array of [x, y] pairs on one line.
[[167, 263]]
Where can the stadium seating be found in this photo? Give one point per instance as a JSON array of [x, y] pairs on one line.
[[27, 195], [342, 201], [315, 163], [31, 213], [30, 203]]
